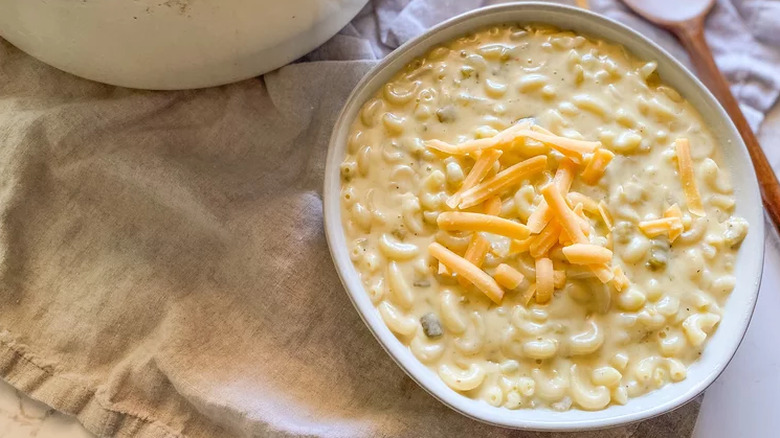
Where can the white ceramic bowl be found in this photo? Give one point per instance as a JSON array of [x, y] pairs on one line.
[[171, 44], [723, 344]]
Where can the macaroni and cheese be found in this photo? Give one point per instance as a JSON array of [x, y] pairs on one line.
[[540, 219]]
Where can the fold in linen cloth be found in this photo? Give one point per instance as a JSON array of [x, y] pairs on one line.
[[163, 267]]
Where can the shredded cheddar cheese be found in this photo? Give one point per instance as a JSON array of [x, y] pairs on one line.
[[519, 246], [557, 227], [587, 254], [492, 206], [602, 272], [504, 137], [466, 221], [677, 229], [564, 239], [545, 282], [503, 180], [673, 211], [574, 149], [467, 270], [568, 219], [670, 225], [584, 224], [595, 168], [475, 253], [685, 166], [508, 277], [605, 216], [479, 171], [479, 246], [620, 281], [544, 241], [564, 176], [477, 249], [588, 203], [569, 147], [540, 217]]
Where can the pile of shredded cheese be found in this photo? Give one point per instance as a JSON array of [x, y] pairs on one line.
[[558, 222]]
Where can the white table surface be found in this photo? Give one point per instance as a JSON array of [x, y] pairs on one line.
[[741, 403]]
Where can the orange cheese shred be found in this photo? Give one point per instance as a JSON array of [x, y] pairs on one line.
[[668, 225], [545, 281], [605, 216], [587, 254], [595, 168], [492, 206], [602, 272], [504, 137], [466, 221], [502, 181], [569, 147], [508, 276], [564, 176], [467, 270], [568, 219], [475, 253], [588, 203], [685, 166], [674, 212], [478, 172], [520, 246], [620, 281], [544, 241]]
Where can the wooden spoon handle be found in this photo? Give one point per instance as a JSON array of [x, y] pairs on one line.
[[691, 34]]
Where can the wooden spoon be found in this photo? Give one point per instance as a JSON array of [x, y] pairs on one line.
[[685, 19]]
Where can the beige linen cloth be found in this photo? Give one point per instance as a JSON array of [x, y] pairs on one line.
[[164, 271]]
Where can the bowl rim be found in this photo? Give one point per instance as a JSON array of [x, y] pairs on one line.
[[400, 353]]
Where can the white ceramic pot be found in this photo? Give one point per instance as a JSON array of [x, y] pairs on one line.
[[171, 44]]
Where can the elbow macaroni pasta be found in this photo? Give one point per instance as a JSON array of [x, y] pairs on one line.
[[624, 309]]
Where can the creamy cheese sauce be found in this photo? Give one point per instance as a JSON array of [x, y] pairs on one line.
[[590, 345]]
